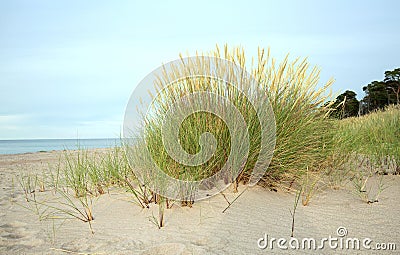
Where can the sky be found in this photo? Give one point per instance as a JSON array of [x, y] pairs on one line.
[[68, 68]]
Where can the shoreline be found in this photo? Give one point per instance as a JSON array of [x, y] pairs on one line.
[[55, 151], [8, 147]]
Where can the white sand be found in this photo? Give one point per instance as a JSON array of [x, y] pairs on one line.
[[122, 227]]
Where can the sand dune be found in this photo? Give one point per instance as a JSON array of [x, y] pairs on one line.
[[121, 227]]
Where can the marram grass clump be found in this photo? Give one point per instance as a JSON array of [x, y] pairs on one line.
[[374, 137], [303, 137]]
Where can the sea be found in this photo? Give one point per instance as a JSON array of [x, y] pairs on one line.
[[42, 145]]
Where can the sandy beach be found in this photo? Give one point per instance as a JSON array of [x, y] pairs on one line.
[[122, 227]]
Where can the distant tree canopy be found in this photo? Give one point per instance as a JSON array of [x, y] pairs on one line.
[[378, 94], [392, 79], [346, 105]]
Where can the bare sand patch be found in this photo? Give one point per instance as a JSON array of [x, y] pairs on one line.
[[121, 227]]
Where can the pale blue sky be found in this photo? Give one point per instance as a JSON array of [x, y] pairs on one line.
[[67, 68]]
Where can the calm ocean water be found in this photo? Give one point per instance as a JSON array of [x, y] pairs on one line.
[[35, 145]]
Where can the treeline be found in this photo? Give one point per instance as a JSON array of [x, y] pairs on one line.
[[378, 94]]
